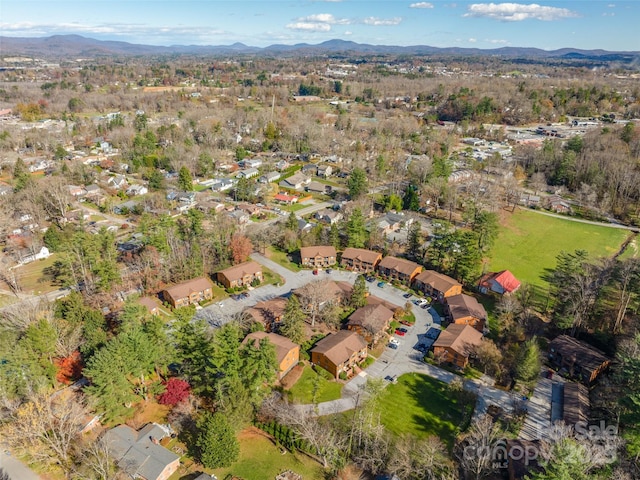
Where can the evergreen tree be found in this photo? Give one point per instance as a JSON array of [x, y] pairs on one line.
[[411, 201], [292, 323], [185, 182], [356, 230], [357, 183], [359, 293], [334, 236], [528, 364], [414, 241], [292, 222], [216, 441], [20, 175]]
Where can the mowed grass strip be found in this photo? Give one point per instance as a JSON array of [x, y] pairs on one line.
[[302, 391], [260, 459], [528, 244], [421, 406]]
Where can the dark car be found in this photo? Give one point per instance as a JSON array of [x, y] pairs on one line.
[[370, 279], [381, 284], [402, 329], [236, 296], [329, 270], [244, 295], [393, 345], [407, 295]]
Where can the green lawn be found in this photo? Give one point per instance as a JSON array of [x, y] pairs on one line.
[[31, 278], [281, 259], [302, 391], [260, 458], [423, 406], [529, 242], [294, 208]]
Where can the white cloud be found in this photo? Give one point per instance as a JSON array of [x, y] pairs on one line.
[[421, 5], [324, 18], [309, 26], [605, 14], [348, 32], [496, 41], [128, 30], [516, 12], [472, 40], [377, 22], [612, 5]]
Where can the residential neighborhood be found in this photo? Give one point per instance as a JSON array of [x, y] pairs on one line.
[[336, 263]]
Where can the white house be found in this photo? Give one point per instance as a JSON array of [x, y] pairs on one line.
[[248, 173], [28, 256], [134, 190]]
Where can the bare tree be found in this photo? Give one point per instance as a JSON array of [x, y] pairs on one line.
[[314, 297], [477, 446], [419, 459], [325, 440], [47, 426], [97, 461]]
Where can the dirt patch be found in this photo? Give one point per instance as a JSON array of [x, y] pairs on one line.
[[252, 432], [292, 377]]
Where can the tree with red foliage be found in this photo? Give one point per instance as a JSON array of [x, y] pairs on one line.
[[69, 368], [176, 391], [241, 247]]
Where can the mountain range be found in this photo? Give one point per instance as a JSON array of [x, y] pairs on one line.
[[65, 46]]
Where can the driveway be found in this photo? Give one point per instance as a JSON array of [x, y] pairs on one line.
[[15, 469]]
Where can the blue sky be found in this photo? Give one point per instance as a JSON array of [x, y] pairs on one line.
[[606, 24]]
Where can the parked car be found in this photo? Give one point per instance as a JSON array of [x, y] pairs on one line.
[[407, 295], [393, 345], [329, 270], [401, 332], [315, 271], [404, 322], [420, 302], [381, 284], [370, 279]]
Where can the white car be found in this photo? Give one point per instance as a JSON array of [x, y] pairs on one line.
[[394, 341]]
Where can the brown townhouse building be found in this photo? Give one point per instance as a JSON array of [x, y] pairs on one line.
[[189, 292], [318, 256], [360, 260], [404, 271], [240, 275]]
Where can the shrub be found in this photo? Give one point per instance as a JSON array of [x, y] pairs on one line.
[[323, 373], [343, 375], [176, 390]]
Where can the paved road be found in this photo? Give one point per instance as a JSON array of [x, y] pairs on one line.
[[589, 222], [391, 363], [16, 469]]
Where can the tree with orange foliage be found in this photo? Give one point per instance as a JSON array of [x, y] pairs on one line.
[[241, 247], [69, 368]]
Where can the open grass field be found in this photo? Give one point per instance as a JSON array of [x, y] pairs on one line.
[[31, 278], [302, 391], [260, 459], [422, 406], [281, 259], [528, 244]]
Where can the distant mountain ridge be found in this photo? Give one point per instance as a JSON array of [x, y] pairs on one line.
[[60, 46]]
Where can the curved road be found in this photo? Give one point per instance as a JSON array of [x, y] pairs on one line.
[[581, 220]]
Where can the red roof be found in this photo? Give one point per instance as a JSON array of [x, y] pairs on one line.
[[504, 278], [281, 197]]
